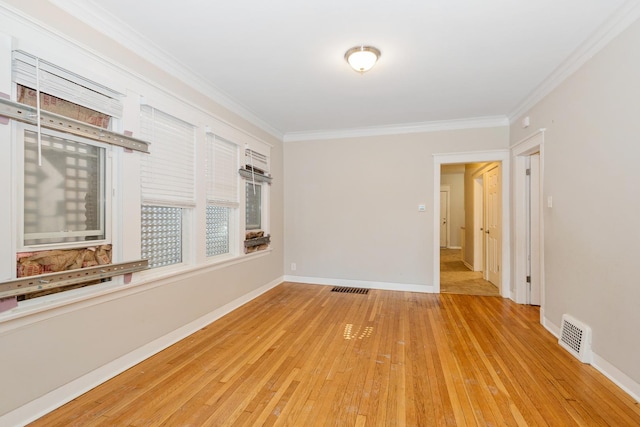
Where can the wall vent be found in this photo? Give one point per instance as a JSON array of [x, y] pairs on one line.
[[346, 290], [575, 337]]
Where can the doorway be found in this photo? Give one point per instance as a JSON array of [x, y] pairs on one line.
[[500, 197], [473, 192]]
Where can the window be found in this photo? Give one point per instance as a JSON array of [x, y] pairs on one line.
[[161, 235], [168, 190], [65, 178], [222, 195], [64, 187], [253, 211]]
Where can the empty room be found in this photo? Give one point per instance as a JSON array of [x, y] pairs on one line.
[[319, 213]]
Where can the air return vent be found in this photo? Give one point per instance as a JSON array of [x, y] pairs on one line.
[[345, 290], [575, 337]]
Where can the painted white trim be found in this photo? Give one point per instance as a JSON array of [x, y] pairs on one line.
[[385, 286], [399, 129], [619, 378], [626, 15], [475, 157], [551, 327], [58, 397], [519, 151], [114, 28]]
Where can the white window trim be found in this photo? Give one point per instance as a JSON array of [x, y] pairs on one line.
[[18, 132]]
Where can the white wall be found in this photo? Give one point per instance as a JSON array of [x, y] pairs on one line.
[[351, 205], [591, 171], [46, 347]]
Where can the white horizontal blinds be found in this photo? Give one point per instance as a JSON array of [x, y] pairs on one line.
[[66, 85], [168, 173], [222, 171]]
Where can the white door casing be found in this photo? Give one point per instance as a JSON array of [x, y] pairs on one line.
[[502, 156], [520, 153]]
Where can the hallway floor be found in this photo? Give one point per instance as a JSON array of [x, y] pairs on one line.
[[456, 278]]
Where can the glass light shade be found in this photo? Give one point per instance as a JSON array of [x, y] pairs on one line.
[[362, 58]]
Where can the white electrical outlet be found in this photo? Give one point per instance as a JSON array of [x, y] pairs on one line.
[[293, 266]]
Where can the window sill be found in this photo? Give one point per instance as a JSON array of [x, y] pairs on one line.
[[39, 309]]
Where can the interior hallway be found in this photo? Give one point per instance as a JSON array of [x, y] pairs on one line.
[[456, 278]]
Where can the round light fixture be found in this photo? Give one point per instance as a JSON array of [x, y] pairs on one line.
[[362, 58]]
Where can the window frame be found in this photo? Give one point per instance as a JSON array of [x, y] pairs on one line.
[[18, 131], [249, 187], [221, 197], [188, 208]]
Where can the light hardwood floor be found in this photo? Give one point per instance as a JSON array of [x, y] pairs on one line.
[[301, 355], [456, 278]]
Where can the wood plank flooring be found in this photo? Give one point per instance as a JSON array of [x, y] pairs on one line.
[[456, 278], [301, 355]]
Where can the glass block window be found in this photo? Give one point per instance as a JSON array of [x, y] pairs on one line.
[[64, 189], [217, 230], [253, 213], [161, 235]]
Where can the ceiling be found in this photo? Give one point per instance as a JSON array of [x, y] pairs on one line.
[[281, 64]]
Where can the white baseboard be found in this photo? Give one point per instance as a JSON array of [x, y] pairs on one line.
[[58, 397], [454, 247], [619, 378], [386, 286], [469, 266], [551, 327]]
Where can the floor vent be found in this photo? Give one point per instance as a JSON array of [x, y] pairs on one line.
[[575, 337], [346, 290]]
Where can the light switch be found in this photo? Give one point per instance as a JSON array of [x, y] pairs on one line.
[[549, 202], [422, 208]]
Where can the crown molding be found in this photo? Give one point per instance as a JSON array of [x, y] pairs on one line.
[[109, 25], [434, 126], [626, 15]]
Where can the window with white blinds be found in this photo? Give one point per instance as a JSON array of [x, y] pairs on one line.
[[168, 173], [64, 84], [222, 171]]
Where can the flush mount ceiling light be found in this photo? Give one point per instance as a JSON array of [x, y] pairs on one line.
[[362, 58]]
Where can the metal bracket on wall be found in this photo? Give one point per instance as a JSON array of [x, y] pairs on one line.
[[28, 114], [27, 285]]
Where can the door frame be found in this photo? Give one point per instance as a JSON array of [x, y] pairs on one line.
[[503, 156], [520, 152]]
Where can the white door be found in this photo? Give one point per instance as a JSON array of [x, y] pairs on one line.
[[444, 218], [533, 268], [493, 225]]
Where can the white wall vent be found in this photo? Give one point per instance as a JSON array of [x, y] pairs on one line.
[[575, 337]]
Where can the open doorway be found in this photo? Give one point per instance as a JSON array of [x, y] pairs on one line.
[[469, 261], [494, 216]]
